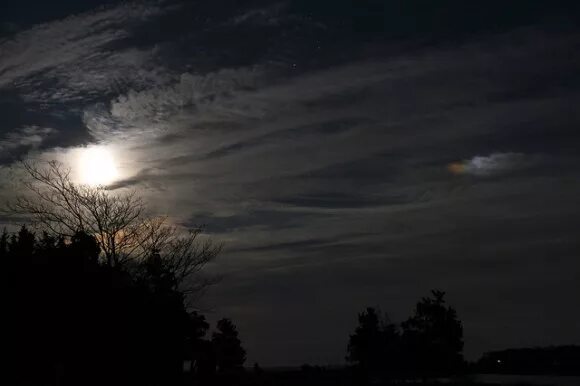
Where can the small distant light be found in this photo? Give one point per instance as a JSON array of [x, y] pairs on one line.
[[499, 361]]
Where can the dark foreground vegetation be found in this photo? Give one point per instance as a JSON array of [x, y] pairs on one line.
[[70, 319], [427, 345]]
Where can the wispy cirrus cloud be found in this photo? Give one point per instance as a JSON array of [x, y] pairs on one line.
[[28, 138], [270, 15], [72, 56]]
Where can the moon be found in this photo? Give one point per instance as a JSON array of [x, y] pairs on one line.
[[97, 166]]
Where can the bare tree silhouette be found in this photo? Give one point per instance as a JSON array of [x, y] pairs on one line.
[[126, 235]]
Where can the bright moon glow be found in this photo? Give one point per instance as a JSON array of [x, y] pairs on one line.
[[97, 166]]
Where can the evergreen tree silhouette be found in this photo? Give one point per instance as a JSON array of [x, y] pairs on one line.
[[374, 346], [4, 243], [365, 345], [22, 244], [230, 354], [433, 338]]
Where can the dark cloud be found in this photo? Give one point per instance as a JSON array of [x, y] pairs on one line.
[[318, 142]]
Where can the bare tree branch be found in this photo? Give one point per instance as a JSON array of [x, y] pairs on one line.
[[126, 235]]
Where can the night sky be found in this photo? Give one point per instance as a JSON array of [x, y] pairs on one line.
[[348, 153]]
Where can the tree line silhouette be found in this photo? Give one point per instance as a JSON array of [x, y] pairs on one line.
[[70, 319], [428, 344]]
